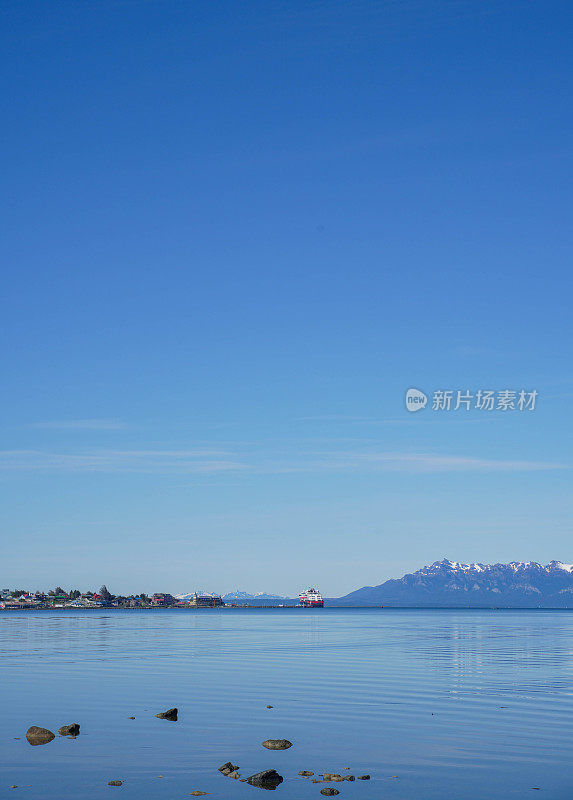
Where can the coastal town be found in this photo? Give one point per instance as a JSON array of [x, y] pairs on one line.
[[58, 598]]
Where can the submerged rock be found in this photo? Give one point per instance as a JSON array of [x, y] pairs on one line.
[[170, 714], [72, 729], [329, 792], [36, 735], [277, 744], [197, 793], [267, 779], [228, 768]]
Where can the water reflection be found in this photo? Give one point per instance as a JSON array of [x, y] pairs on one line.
[[479, 701]]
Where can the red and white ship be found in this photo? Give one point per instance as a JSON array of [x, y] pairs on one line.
[[312, 598]]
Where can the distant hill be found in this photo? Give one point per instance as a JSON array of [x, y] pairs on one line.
[[449, 583]]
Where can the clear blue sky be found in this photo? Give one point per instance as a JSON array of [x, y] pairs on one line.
[[234, 235]]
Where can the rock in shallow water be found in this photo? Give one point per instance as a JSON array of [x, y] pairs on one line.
[[115, 783], [267, 779], [363, 777], [329, 792], [277, 744], [36, 735], [228, 767], [170, 714], [72, 729], [306, 773], [197, 793]]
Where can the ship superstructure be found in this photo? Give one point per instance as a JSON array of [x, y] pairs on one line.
[[312, 598]]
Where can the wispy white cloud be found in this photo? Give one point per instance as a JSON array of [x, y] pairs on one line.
[[432, 462], [81, 425], [212, 461], [151, 461]]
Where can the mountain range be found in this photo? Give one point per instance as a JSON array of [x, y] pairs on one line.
[[236, 597], [450, 583], [240, 597]]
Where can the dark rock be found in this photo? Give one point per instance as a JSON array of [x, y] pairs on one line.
[[267, 779], [306, 773], [115, 783], [170, 714], [72, 729], [131, 717], [234, 774], [270, 706], [349, 777], [36, 735], [277, 744], [329, 792], [363, 777], [228, 767]]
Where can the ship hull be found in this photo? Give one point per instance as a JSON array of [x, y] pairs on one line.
[[312, 603]]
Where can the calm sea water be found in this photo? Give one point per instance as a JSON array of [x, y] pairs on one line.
[[432, 704]]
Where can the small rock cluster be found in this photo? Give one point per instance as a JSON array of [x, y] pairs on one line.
[[267, 779], [36, 735]]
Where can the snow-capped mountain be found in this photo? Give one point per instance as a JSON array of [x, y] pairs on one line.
[[200, 592], [238, 597], [451, 583]]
